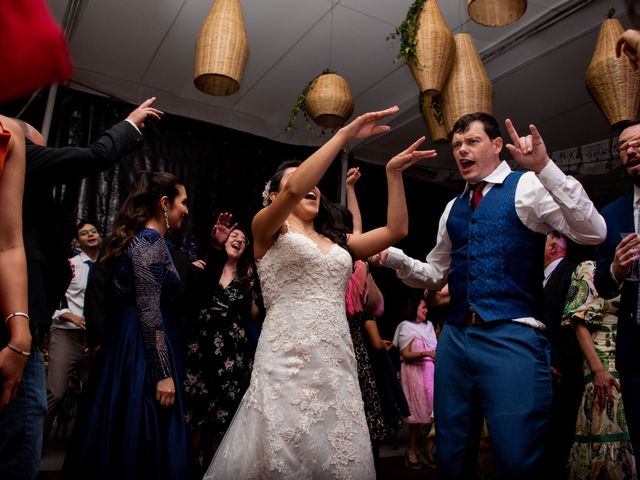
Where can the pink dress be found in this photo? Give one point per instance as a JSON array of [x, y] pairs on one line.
[[417, 377]]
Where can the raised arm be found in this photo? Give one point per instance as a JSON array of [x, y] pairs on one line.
[[268, 221], [366, 244], [13, 265], [61, 165], [353, 175], [551, 200], [629, 44]]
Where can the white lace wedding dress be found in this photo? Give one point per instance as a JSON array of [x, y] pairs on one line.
[[302, 416]]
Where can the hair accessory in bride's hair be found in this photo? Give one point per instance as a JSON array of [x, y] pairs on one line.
[[265, 194]]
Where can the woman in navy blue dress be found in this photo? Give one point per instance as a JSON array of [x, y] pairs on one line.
[[131, 424]]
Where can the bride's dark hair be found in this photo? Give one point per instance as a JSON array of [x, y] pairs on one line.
[[139, 207], [329, 221]]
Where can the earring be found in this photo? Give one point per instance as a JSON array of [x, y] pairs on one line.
[[166, 219]]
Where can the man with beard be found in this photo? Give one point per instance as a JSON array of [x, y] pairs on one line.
[[616, 274]]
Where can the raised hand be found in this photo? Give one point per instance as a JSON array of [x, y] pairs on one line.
[[629, 44], [143, 112], [366, 125], [529, 151], [411, 155], [353, 175], [632, 142], [222, 229]]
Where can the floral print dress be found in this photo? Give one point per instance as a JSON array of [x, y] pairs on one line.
[[219, 358], [601, 449]]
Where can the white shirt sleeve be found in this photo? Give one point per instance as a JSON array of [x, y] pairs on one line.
[[431, 274], [552, 200]]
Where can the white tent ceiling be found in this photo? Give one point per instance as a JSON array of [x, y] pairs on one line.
[[133, 49]]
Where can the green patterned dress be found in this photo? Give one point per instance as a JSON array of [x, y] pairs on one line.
[[601, 449]]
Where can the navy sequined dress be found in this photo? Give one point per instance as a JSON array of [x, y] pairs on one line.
[[122, 431]]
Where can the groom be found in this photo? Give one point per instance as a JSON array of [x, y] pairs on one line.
[[493, 358]]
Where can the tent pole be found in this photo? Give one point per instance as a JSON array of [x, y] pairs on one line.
[[48, 113], [344, 163]]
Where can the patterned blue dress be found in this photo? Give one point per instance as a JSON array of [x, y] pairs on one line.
[[122, 431]]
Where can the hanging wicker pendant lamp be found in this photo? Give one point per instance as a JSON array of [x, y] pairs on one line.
[[222, 49], [468, 88], [611, 81], [496, 13], [431, 106], [434, 50], [329, 101]]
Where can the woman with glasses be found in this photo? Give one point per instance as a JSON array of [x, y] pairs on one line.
[[220, 349]]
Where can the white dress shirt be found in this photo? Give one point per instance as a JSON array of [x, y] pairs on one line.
[[547, 201], [75, 293], [550, 269]]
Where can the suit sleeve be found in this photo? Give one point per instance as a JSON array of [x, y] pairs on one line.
[[604, 282], [61, 165]]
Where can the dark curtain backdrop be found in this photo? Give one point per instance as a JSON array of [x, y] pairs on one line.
[[223, 170]]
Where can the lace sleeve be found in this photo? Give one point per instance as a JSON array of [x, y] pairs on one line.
[[148, 255]]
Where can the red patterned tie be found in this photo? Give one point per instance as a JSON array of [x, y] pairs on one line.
[[476, 194]]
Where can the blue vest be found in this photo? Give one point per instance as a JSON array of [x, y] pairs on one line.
[[496, 262]]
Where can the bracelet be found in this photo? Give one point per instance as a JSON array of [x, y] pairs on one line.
[[17, 314], [17, 350]]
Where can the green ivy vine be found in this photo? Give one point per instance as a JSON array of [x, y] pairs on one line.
[[298, 106], [407, 31]]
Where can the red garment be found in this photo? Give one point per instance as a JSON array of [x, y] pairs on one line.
[[5, 136], [33, 52]]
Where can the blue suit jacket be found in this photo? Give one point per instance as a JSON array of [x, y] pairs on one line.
[[619, 217]]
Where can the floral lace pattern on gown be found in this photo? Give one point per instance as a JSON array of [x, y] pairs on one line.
[[302, 416]]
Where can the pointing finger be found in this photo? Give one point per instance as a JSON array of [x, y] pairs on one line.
[[535, 134]]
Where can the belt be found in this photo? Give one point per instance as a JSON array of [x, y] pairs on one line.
[[471, 317]]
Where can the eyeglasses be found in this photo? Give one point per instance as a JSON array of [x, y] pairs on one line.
[[87, 231], [238, 238]]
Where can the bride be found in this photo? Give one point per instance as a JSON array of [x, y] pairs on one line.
[[302, 416]]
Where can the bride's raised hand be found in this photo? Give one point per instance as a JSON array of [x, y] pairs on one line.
[[366, 125], [411, 155]]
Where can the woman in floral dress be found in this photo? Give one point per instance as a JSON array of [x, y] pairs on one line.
[[220, 351], [601, 448]]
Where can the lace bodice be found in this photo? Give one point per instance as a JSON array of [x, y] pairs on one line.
[[302, 416], [295, 275]]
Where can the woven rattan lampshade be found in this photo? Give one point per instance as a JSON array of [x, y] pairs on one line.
[[468, 88], [434, 117], [611, 81], [222, 49], [496, 13], [434, 50], [329, 101]]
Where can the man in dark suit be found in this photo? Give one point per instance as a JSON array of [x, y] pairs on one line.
[[48, 269], [566, 357], [615, 274]]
